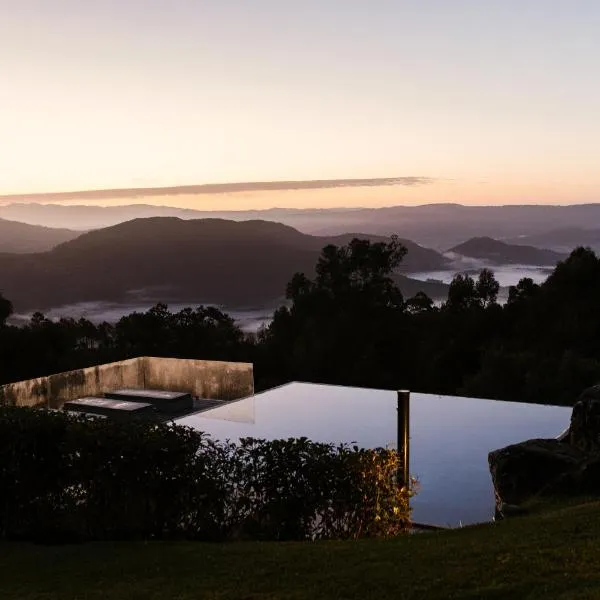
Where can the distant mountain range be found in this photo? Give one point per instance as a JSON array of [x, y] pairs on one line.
[[496, 252], [438, 226], [238, 264], [22, 237], [212, 261], [563, 239]]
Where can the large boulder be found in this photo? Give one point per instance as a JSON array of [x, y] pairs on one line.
[[584, 432], [530, 468], [569, 465]]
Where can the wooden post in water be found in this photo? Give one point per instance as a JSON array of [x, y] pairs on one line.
[[403, 433]]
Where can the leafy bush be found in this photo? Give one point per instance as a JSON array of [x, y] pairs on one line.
[[297, 489], [73, 478]]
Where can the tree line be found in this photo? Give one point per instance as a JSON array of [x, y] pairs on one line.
[[351, 325]]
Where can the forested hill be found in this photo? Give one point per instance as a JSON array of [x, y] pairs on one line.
[[501, 253], [208, 260], [21, 238]]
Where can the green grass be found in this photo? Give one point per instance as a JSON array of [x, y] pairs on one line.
[[548, 555]]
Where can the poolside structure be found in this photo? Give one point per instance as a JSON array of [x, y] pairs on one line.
[[198, 379]]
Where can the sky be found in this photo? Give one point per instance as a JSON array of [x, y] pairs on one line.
[[492, 102]]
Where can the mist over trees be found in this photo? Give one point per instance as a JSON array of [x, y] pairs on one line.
[[350, 325]]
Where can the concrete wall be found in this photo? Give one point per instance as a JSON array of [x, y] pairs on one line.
[[53, 391], [202, 378], [207, 379]]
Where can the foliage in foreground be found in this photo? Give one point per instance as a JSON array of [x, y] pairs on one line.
[[71, 478]]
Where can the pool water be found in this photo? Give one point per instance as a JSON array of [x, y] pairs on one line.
[[450, 437]]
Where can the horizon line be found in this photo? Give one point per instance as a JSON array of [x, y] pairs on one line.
[[295, 208]]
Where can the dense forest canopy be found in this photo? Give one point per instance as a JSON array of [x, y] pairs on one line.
[[351, 325]]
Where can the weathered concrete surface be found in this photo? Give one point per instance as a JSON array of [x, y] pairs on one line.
[[207, 379], [53, 391], [201, 378]]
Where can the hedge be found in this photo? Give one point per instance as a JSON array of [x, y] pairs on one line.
[[66, 478]]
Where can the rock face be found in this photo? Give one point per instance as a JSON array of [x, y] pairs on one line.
[[529, 468], [584, 432], [541, 467]]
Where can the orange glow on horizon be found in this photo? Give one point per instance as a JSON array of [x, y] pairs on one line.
[[458, 192]]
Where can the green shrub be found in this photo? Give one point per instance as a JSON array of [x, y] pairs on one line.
[[66, 478], [297, 489]]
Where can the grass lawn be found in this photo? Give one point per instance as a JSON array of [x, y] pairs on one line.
[[548, 555]]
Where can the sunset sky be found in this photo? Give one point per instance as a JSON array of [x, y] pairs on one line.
[[497, 101]]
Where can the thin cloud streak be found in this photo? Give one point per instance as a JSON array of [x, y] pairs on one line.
[[220, 188]]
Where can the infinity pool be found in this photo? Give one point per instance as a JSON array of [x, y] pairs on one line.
[[450, 437]]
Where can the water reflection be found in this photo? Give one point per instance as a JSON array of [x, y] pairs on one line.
[[450, 436]]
